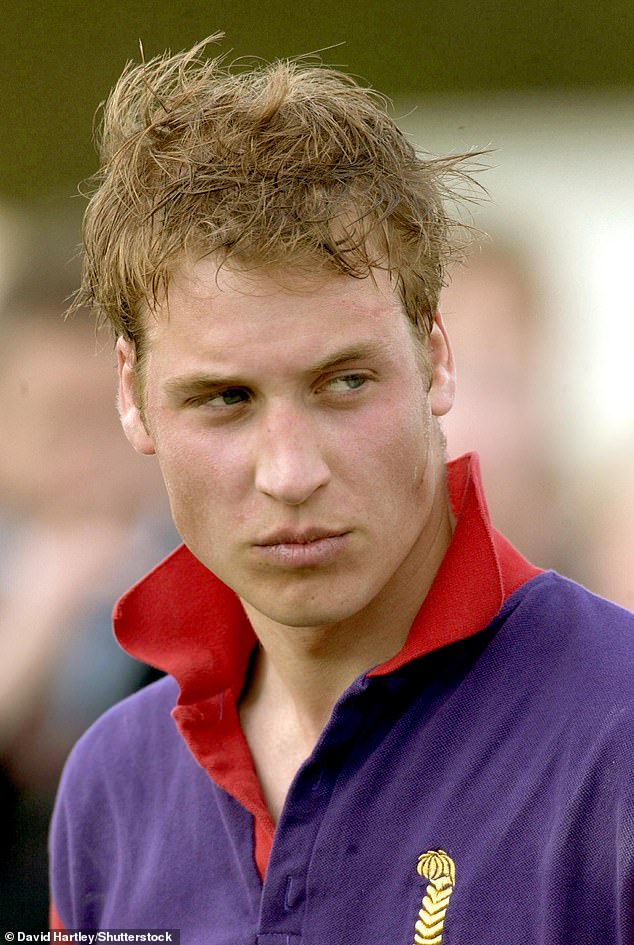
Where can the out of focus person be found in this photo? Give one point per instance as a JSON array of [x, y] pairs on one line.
[[492, 311], [608, 505], [80, 516]]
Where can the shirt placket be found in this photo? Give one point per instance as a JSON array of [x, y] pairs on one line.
[[283, 903]]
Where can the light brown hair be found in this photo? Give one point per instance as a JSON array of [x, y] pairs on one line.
[[275, 164]]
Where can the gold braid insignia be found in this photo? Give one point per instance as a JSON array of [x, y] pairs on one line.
[[437, 867]]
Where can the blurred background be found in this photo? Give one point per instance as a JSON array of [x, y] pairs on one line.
[[542, 319]]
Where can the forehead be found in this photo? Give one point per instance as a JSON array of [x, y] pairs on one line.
[[205, 282], [221, 311]]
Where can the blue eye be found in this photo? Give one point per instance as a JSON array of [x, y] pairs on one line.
[[346, 382]]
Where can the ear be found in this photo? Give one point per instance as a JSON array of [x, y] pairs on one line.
[[443, 379], [130, 412]]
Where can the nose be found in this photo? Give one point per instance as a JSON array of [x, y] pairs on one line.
[[290, 465]]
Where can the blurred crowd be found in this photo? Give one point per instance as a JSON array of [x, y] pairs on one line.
[[82, 516], [577, 519]]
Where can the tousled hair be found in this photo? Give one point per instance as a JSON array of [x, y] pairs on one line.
[[276, 164]]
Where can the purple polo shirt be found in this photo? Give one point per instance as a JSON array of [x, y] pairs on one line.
[[475, 788]]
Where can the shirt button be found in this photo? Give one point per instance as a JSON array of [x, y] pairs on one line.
[[293, 895]]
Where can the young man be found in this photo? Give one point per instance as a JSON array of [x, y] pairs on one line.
[[386, 726]]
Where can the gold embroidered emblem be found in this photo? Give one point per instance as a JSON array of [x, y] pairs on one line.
[[437, 867]]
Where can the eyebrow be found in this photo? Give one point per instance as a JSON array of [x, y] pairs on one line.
[[189, 385], [356, 352]]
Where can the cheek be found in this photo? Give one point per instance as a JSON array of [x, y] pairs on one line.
[[391, 482], [403, 435], [203, 478], [410, 457]]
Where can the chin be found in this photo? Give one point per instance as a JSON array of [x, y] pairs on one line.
[[308, 614]]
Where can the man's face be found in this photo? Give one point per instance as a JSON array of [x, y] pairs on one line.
[[295, 432]]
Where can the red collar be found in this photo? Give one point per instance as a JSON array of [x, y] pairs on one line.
[[479, 571], [183, 620]]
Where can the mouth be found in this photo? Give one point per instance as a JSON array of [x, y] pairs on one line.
[[291, 536], [302, 549]]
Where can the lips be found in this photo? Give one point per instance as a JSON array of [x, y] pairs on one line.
[[304, 537], [310, 548]]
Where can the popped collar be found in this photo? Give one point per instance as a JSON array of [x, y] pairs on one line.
[[181, 619]]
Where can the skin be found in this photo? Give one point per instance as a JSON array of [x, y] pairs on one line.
[[302, 411]]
